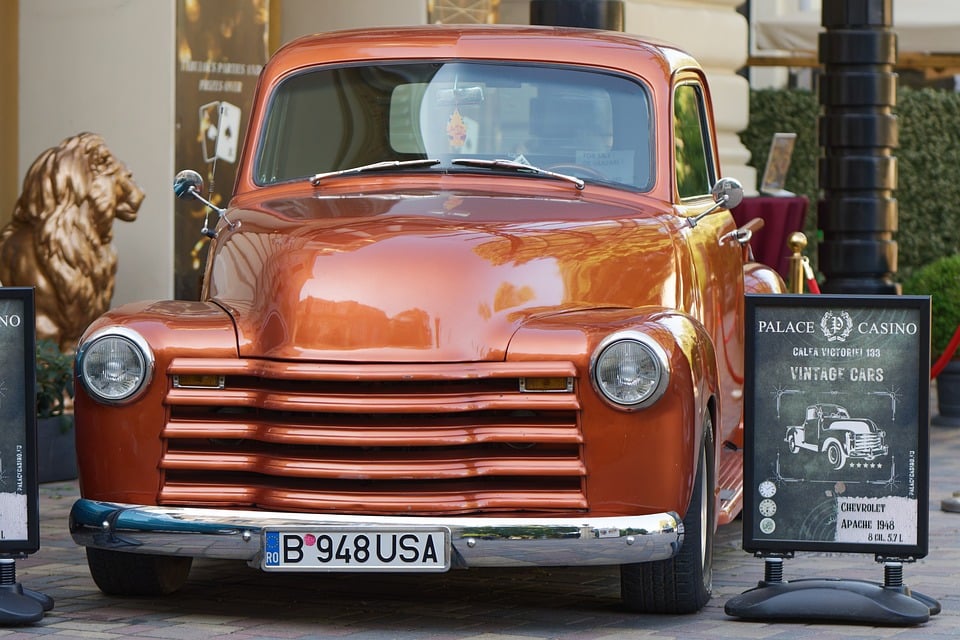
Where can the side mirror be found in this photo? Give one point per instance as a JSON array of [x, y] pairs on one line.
[[187, 185], [727, 194]]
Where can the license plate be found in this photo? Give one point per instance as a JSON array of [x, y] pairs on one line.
[[409, 550]]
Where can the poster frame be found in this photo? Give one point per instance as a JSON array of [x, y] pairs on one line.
[[27, 427], [916, 365]]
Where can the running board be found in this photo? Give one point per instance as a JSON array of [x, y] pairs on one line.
[[730, 481]]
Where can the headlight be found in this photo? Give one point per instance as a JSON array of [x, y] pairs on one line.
[[115, 365], [630, 370]]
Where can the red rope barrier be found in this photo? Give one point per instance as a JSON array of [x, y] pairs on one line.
[[811, 279], [947, 355]]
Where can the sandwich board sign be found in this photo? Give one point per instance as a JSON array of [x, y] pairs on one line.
[[19, 524], [837, 414], [19, 490], [836, 448]]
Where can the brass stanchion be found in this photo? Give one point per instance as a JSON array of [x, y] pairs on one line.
[[797, 243]]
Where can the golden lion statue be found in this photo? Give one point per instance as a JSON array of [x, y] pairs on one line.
[[59, 239]]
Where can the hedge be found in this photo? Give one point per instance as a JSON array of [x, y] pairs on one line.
[[928, 165]]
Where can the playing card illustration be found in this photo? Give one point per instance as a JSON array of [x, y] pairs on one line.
[[219, 131]]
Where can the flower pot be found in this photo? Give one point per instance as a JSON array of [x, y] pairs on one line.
[[56, 449], [948, 396]]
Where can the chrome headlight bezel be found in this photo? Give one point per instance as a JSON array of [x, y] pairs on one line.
[[648, 347], [143, 359]]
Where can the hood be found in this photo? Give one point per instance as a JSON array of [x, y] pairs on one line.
[[444, 277]]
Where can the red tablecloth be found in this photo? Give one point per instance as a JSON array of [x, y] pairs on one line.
[[781, 216]]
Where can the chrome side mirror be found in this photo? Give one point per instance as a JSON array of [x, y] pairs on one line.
[[187, 185], [727, 194]]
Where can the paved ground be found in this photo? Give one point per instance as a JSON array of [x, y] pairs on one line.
[[226, 600]]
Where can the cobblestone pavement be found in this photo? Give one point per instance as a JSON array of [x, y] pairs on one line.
[[229, 600]]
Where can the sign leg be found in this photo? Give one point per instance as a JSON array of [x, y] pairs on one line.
[[18, 605]]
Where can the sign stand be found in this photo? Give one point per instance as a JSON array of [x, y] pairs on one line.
[[17, 604], [836, 452], [19, 490], [891, 603]]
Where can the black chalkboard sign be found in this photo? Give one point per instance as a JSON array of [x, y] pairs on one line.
[[836, 419], [19, 509]]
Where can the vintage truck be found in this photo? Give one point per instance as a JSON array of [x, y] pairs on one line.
[[829, 429], [476, 300]]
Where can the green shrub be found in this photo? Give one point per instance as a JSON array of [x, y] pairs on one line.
[[941, 280], [773, 110], [928, 165], [54, 379]]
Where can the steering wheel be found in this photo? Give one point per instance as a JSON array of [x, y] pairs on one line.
[[577, 170]]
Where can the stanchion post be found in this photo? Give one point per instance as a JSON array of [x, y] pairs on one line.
[[797, 243]]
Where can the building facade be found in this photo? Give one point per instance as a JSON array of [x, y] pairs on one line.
[[108, 66]]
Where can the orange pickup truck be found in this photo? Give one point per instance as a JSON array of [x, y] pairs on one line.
[[476, 300]]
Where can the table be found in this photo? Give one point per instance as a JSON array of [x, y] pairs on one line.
[[781, 216]]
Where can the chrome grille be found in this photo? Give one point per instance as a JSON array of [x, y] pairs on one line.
[[866, 443], [412, 439]]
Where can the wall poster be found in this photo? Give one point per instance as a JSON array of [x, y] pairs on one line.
[[19, 497], [222, 46], [836, 419]]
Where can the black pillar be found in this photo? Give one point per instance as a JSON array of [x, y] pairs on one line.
[[593, 14], [858, 132]]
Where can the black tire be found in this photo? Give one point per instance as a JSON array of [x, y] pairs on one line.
[[683, 583], [118, 573]]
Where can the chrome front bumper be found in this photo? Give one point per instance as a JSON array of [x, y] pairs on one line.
[[475, 542]]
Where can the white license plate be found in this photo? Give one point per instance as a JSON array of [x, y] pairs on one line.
[[356, 550]]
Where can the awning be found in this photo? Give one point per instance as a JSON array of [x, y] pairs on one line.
[[924, 29]]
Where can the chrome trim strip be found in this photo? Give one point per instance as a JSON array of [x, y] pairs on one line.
[[476, 542]]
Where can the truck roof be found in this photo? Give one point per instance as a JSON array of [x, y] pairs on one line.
[[612, 49]]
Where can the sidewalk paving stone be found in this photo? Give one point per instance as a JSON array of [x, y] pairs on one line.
[[225, 600]]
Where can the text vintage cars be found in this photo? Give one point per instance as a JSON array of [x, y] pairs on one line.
[[477, 300]]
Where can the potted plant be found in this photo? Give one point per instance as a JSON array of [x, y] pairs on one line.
[[940, 279], [56, 452]]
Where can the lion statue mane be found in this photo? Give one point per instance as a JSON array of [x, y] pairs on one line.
[[59, 239]]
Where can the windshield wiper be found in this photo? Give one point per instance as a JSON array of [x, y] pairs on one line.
[[519, 167], [376, 166]]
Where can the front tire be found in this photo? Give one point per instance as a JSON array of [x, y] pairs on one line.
[[118, 573], [681, 584]]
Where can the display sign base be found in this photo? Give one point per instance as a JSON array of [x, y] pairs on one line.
[[17, 604], [833, 600]]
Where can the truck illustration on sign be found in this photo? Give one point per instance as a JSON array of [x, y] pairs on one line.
[[829, 429]]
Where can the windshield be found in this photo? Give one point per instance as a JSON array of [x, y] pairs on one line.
[[856, 426], [587, 123]]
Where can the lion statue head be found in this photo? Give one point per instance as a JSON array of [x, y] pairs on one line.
[[59, 239]]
